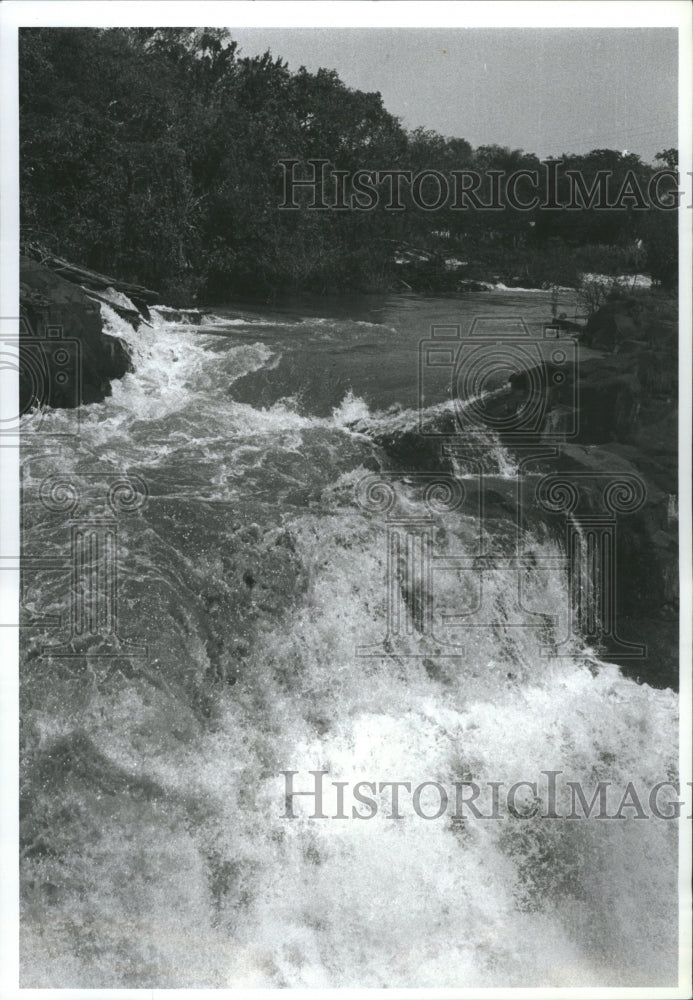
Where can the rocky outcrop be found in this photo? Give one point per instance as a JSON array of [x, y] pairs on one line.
[[65, 357], [625, 385]]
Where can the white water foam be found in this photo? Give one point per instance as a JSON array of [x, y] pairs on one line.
[[203, 883]]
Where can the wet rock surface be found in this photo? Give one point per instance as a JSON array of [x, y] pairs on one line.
[[626, 432], [65, 357]]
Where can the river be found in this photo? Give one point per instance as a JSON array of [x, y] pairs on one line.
[[255, 572]]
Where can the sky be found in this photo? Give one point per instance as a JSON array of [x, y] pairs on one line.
[[544, 90]]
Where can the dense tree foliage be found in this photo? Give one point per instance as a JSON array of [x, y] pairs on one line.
[[154, 154]]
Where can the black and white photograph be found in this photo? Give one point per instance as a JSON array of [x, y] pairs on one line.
[[346, 506]]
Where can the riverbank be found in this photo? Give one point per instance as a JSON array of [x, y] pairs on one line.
[[624, 395]]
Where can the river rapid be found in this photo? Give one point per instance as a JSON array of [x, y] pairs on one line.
[[156, 847]]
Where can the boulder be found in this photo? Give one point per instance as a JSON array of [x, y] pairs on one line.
[[636, 317], [608, 391], [646, 566], [65, 358]]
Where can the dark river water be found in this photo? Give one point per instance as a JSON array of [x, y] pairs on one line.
[[287, 628]]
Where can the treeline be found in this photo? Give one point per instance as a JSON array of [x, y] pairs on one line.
[[154, 154]]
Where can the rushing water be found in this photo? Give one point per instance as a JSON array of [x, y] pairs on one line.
[[157, 853]]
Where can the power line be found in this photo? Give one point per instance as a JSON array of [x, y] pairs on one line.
[[632, 133]]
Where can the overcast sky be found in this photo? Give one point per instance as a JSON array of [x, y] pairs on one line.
[[546, 91]]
